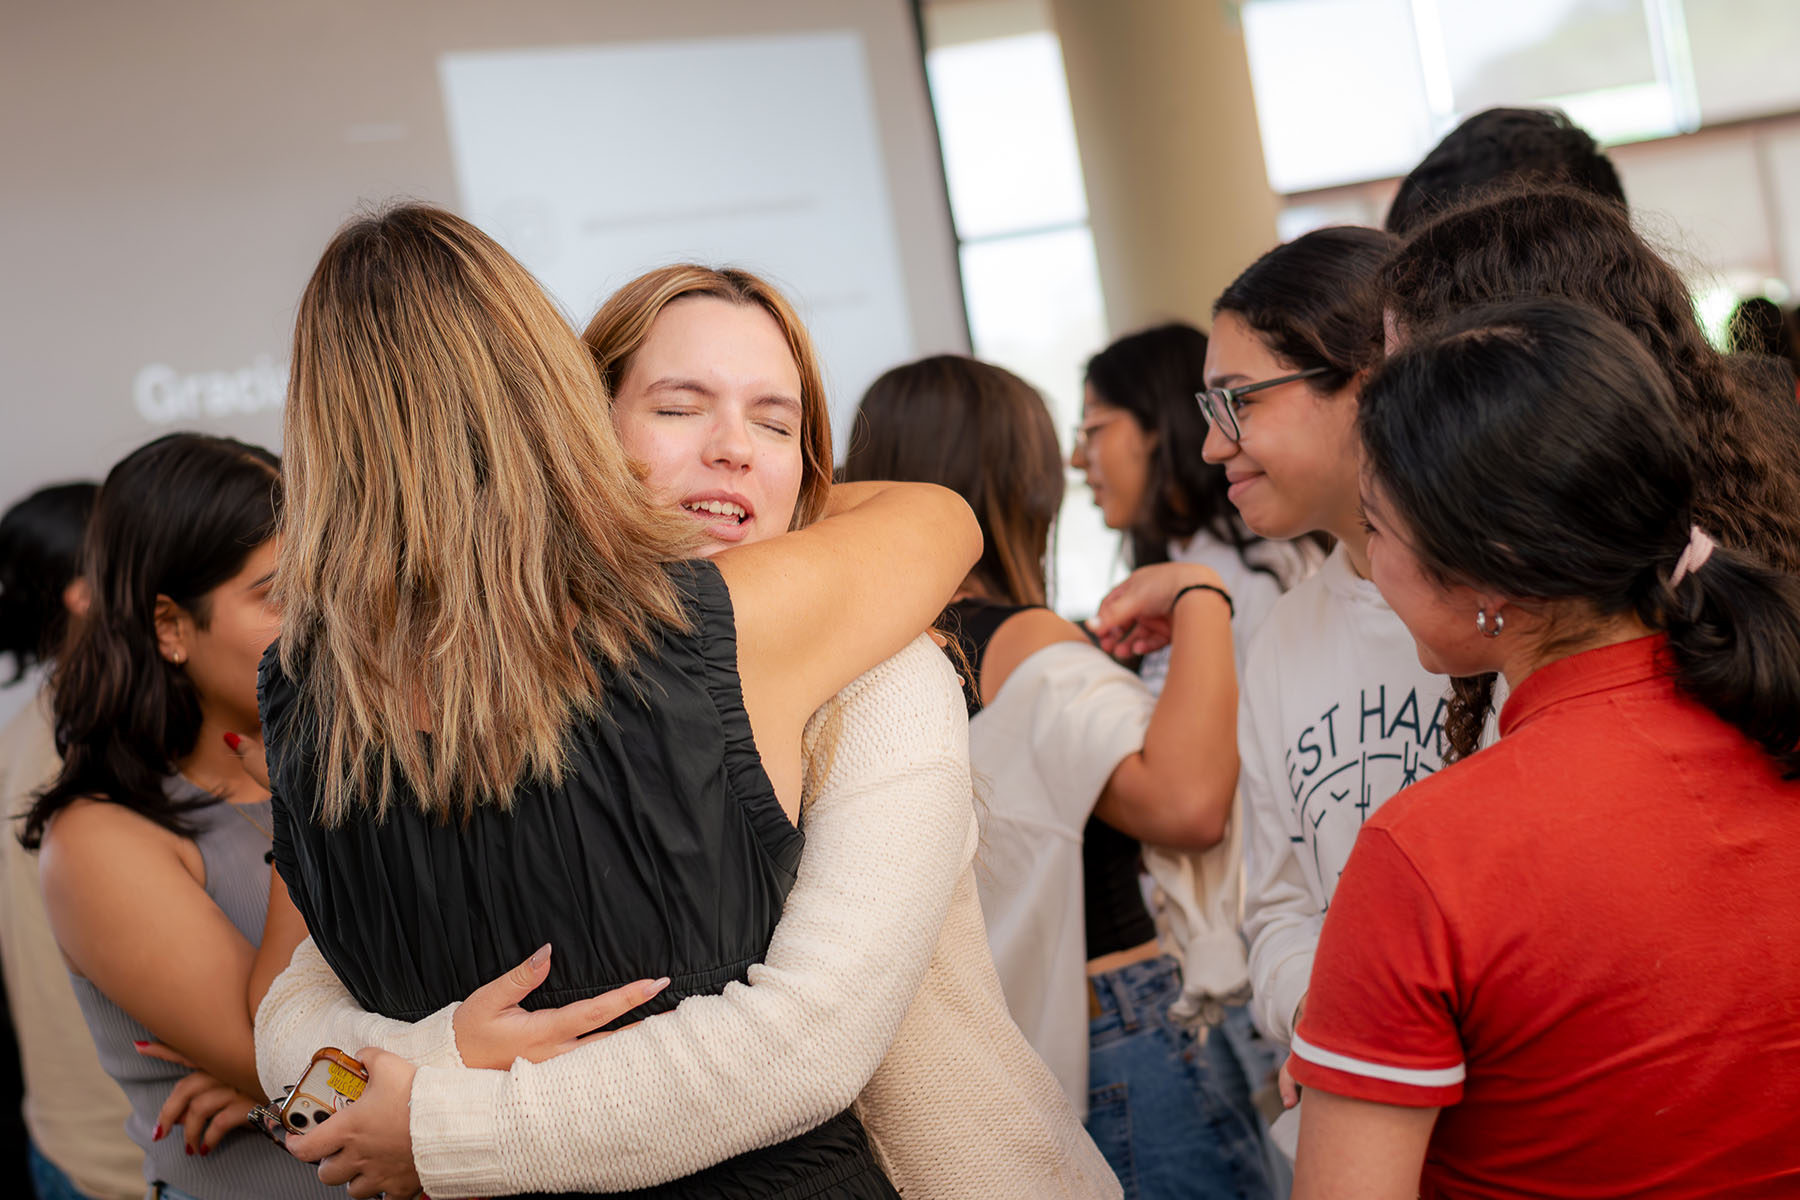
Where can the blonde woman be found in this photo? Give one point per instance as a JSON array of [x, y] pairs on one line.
[[918, 752], [701, 363]]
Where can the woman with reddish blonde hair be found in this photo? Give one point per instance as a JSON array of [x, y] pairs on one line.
[[626, 321]]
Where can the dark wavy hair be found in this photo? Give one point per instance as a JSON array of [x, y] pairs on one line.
[[1500, 146], [175, 518], [982, 432], [1563, 242], [1758, 326], [1154, 375], [1314, 301], [1502, 483], [40, 545]]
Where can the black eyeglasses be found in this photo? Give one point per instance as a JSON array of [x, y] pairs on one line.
[[1221, 404]]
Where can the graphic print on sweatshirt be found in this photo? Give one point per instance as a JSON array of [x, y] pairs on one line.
[[1345, 765]]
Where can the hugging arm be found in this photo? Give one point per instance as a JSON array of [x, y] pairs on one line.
[[887, 836]]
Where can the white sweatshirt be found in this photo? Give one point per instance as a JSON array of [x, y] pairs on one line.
[[885, 901], [1335, 715], [1253, 592]]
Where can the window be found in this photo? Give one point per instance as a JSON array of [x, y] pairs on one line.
[[1030, 279]]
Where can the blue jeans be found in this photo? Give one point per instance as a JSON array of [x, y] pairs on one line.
[[1243, 1064], [1165, 1125], [48, 1180]]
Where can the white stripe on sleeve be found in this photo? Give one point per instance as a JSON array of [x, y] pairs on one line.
[[1440, 1077]]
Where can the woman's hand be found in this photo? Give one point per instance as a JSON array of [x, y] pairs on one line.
[[367, 1146], [1290, 1090], [205, 1109], [1138, 615], [250, 751], [492, 1030]]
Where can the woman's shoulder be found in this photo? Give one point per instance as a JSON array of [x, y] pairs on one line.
[[909, 705], [94, 834], [1021, 640], [921, 674]]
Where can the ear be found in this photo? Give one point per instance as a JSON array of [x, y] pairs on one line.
[[174, 630]]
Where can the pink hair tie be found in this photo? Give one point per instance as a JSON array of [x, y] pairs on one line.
[[1699, 549]]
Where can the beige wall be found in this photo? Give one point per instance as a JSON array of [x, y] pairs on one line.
[[1177, 193], [173, 169]]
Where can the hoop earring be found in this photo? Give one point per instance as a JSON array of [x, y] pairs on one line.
[[1481, 623]]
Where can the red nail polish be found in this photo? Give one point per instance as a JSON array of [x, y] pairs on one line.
[[190, 1150], [205, 1149], [140, 1045], [156, 1134], [233, 740]]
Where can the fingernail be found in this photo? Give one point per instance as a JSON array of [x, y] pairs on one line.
[[156, 1134], [190, 1150], [140, 1045], [541, 957], [205, 1150], [233, 740], [660, 984]]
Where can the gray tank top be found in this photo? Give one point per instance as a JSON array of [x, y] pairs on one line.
[[246, 1165]]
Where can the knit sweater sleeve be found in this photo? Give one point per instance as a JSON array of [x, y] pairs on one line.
[[886, 836], [308, 1007]]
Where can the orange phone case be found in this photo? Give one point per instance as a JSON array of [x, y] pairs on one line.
[[332, 1081]]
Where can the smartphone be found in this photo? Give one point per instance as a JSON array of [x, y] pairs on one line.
[[332, 1082]]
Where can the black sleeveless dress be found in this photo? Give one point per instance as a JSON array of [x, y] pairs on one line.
[[664, 851]]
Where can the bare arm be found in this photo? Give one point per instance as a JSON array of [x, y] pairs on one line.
[[1177, 790], [818, 607], [1358, 1150], [129, 908]]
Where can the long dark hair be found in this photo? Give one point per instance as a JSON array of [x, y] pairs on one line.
[[1503, 481], [175, 518], [1154, 375], [1314, 301], [982, 432], [40, 545], [1561, 241]]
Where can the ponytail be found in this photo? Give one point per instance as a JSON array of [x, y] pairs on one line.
[[1734, 636], [1466, 715]]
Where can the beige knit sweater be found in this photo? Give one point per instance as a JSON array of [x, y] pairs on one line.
[[877, 987]]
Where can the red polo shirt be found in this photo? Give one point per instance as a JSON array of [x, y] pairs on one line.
[[1584, 944]]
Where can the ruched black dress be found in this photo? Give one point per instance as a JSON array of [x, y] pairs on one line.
[[664, 851]]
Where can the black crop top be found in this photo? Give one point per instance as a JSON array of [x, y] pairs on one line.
[[1112, 901]]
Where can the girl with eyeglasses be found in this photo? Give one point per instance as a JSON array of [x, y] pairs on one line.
[[1139, 449], [1335, 713]]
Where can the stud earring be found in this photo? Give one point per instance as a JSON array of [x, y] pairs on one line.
[[1487, 630]]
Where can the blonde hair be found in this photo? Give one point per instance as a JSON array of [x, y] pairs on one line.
[[623, 322], [464, 534]]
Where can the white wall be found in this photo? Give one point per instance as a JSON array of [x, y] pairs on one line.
[[173, 170]]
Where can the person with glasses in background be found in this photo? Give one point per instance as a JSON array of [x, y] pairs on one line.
[[1139, 450], [1335, 713]]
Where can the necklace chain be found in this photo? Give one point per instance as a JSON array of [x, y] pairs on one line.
[[254, 823]]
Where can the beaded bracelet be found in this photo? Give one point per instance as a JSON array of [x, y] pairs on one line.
[[1224, 595]]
